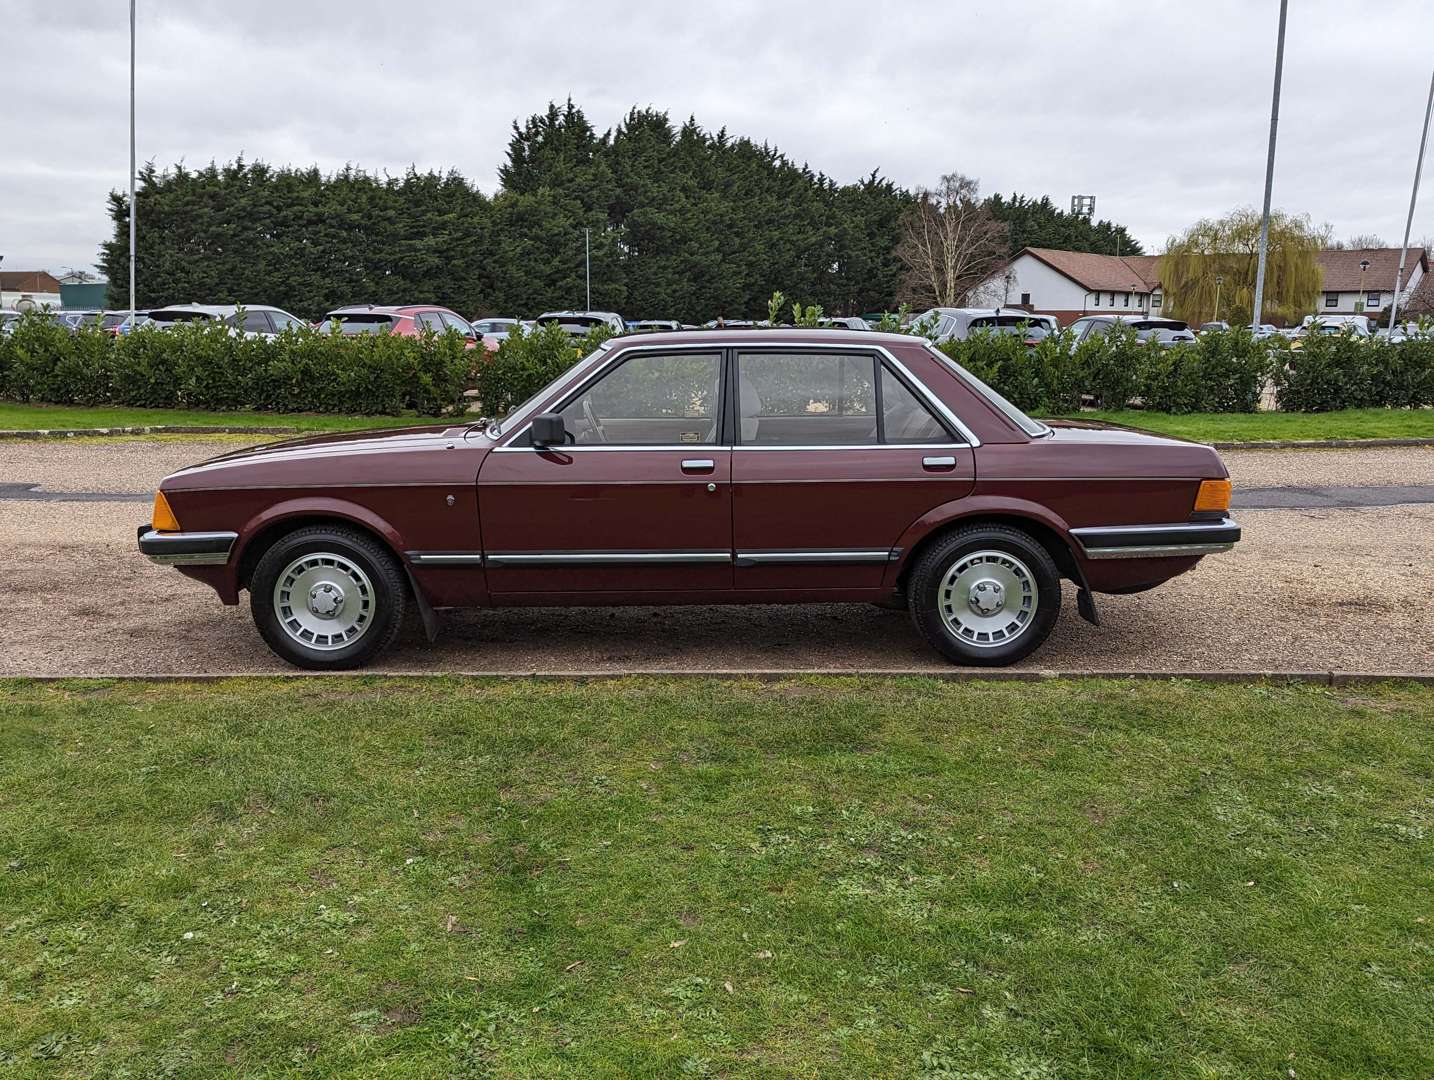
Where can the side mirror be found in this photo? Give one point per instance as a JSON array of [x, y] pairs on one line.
[[548, 430]]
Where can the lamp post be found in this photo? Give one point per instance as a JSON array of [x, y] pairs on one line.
[[1363, 267], [588, 265], [133, 210], [1413, 198], [1219, 280], [1269, 171]]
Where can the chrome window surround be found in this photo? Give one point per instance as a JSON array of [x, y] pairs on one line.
[[923, 391]]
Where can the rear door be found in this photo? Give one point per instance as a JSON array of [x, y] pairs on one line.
[[838, 451]]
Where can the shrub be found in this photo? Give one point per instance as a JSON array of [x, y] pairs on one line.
[[526, 361], [1328, 371], [1222, 372], [1111, 368], [204, 365]]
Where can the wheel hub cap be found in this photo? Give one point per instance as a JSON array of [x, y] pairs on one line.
[[987, 597], [326, 600]]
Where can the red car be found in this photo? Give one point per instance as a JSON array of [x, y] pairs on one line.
[[410, 320], [766, 466]]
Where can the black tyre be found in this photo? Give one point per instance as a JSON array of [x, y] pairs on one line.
[[985, 595], [328, 597]]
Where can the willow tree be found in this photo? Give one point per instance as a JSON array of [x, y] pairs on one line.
[[1209, 271]]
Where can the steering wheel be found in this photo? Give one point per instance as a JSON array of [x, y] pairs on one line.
[[594, 424]]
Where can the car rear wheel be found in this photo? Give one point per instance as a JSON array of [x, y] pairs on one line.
[[328, 597], [985, 595]]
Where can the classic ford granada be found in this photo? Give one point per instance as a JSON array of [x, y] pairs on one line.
[[707, 467]]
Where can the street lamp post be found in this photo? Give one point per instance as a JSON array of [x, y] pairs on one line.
[[1269, 171], [1413, 198], [133, 210], [1363, 268], [1219, 280], [588, 264]]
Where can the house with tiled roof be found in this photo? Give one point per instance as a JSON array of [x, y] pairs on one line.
[[1346, 284], [1069, 284], [28, 288]]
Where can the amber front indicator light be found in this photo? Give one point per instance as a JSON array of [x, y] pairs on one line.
[[163, 519], [1213, 495]]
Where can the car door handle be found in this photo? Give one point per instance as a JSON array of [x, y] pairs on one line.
[[698, 465], [938, 463]]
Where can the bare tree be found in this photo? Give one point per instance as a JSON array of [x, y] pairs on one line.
[[951, 244]]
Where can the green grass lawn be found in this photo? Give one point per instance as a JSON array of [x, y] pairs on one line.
[[819, 877], [15, 417], [1259, 427]]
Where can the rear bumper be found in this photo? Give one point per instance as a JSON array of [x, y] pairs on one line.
[[186, 548], [1184, 540]]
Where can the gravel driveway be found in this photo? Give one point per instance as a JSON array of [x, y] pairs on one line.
[[1306, 590]]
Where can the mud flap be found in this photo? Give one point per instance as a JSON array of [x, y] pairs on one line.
[[431, 624], [1085, 604]]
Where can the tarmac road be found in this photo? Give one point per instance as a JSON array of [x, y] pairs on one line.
[[1346, 584]]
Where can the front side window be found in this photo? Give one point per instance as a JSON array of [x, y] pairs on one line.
[[806, 399], [652, 399], [430, 320], [456, 323]]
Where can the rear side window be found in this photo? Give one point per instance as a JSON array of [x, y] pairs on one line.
[[255, 322], [806, 399], [458, 324], [430, 320], [904, 419]]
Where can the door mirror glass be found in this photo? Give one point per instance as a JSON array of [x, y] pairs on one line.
[[548, 430]]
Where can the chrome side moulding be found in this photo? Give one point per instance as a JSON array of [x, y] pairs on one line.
[[820, 556], [605, 558]]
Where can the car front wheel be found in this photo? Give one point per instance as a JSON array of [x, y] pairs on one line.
[[328, 597], [985, 595]]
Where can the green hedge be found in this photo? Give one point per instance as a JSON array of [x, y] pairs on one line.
[[205, 366]]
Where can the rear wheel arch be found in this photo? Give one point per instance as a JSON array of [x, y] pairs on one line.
[[1045, 534]]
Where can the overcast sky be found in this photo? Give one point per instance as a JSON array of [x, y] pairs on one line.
[[1160, 109]]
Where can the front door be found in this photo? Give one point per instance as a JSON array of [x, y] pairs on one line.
[[837, 454], [640, 500]]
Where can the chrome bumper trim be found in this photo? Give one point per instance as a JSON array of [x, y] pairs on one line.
[[1176, 540], [1156, 551], [186, 548]]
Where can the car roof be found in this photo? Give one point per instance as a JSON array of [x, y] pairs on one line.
[[383, 309], [819, 335], [585, 314], [219, 310]]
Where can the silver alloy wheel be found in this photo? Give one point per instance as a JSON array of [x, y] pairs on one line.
[[324, 601], [987, 598]]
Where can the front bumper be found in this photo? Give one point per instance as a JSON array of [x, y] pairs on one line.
[[186, 548], [1183, 540]]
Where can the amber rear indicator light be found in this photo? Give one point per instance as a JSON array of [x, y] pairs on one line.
[[163, 519], [1213, 495]]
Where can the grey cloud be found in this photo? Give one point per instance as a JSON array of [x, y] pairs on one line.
[[1161, 111]]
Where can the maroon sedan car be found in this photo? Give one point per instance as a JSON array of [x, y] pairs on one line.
[[765, 466]]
